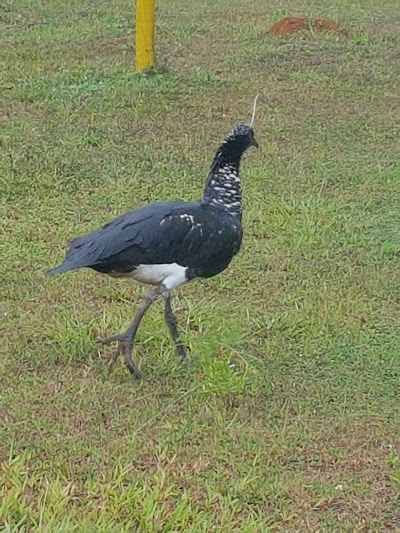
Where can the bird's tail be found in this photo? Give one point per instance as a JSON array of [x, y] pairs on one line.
[[64, 267]]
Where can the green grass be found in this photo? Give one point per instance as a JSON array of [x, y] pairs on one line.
[[287, 416]]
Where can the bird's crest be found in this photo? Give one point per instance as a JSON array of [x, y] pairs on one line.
[[243, 128], [254, 112]]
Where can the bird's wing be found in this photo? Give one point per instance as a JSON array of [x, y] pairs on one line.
[[115, 236], [176, 232]]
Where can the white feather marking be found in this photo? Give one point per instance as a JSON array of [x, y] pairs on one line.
[[188, 217], [169, 274]]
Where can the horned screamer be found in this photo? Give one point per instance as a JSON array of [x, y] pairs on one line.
[[167, 244]]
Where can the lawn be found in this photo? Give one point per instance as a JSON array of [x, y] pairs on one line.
[[287, 416]]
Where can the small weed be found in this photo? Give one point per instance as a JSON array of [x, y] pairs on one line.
[[361, 38]]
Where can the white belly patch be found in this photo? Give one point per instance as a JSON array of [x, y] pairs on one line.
[[170, 274]]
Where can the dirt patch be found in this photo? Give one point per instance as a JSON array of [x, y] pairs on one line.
[[290, 25]]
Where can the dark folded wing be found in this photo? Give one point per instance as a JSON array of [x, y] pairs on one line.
[[174, 232]]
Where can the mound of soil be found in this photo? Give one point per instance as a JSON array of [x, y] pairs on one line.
[[289, 25]]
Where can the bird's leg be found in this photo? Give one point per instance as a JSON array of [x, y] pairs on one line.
[[170, 319], [127, 339]]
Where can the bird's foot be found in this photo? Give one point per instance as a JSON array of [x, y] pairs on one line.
[[181, 352], [125, 348]]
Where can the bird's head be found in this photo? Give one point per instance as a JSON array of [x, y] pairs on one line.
[[242, 136]]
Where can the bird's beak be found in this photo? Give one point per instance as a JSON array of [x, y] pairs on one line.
[[254, 143]]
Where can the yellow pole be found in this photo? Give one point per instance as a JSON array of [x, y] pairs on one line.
[[145, 14]]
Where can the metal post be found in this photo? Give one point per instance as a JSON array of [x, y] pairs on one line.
[[145, 16]]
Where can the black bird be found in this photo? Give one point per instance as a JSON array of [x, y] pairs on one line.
[[167, 244]]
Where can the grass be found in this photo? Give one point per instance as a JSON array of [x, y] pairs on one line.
[[287, 416]]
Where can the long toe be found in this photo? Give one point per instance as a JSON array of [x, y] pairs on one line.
[[114, 338], [118, 351], [133, 369]]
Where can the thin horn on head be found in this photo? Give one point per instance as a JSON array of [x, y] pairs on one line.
[[254, 111]]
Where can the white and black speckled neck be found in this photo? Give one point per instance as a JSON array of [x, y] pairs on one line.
[[223, 187]]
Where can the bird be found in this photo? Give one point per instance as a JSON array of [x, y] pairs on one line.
[[167, 244]]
